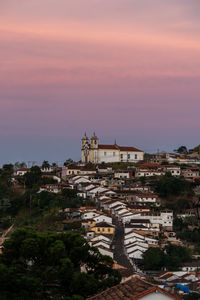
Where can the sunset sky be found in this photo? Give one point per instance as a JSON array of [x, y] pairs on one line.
[[126, 69]]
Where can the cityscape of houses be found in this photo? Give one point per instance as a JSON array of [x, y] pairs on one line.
[[128, 216]]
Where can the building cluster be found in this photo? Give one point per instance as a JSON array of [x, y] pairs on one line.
[[122, 201], [191, 158], [132, 208]]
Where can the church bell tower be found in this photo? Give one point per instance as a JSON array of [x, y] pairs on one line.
[[85, 148], [94, 148]]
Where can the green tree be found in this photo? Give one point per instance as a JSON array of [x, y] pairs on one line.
[[33, 178], [181, 150], [45, 164], [169, 185], [68, 162], [48, 266], [170, 257], [18, 165], [153, 259]]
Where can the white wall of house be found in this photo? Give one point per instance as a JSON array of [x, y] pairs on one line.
[[175, 171], [148, 173], [101, 243], [128, 218], [133, 234], [133, 239], [94, 192], [165, 219], [156, 296], [136, 255], [136, 247], [124, 174], [89, 215], [116, 203], [81, 180], [21, 172], [105, 252], [101, 237], [103, 218], [146, 199]]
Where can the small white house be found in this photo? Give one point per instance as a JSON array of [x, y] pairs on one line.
[[89, 215], [102, 218]]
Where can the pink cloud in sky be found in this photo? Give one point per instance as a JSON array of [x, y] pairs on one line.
[[123, 67]]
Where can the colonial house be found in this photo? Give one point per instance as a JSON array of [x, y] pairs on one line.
[[103, 218], [149, 170], [73, 169], [146, 198], [94, 152], [190, 172], [123, 174], [53, 187], [103, 228], [22, 171]]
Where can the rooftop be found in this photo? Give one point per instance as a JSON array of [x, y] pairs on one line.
[[132, 289]]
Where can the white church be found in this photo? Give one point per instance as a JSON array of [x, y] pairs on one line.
[[96, 153]]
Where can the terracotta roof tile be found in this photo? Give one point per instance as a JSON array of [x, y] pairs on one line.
[[116, 147], [131, 289]]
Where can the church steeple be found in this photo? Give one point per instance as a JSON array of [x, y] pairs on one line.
[[94, 141], [85, 149], [84, 140]]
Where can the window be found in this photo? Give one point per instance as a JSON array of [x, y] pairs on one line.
[[102, 229], [108, 229], [121, 156], [128, 156], [113, 153], [104, 153], [98, 229], [135, 156]]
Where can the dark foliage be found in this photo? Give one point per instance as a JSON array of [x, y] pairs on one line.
[[48, 266], [170, 257], [169, 185]]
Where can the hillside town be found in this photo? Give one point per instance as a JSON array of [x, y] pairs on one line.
[[132, 207]]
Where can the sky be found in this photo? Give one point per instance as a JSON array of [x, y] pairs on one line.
[[127, 69]]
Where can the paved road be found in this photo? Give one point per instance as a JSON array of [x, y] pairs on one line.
[[119, 255]]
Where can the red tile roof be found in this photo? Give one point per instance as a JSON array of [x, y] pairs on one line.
[[132, 289], [116, 147], [129, 149], [112, 147]]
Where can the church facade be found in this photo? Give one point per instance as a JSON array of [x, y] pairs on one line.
[[93, 152]]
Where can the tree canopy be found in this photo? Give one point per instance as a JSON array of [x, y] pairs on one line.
[[171, 186], [51, 266], [170, 257], [181, 150]]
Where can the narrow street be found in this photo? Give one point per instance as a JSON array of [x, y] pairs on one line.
[[119, 254]]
